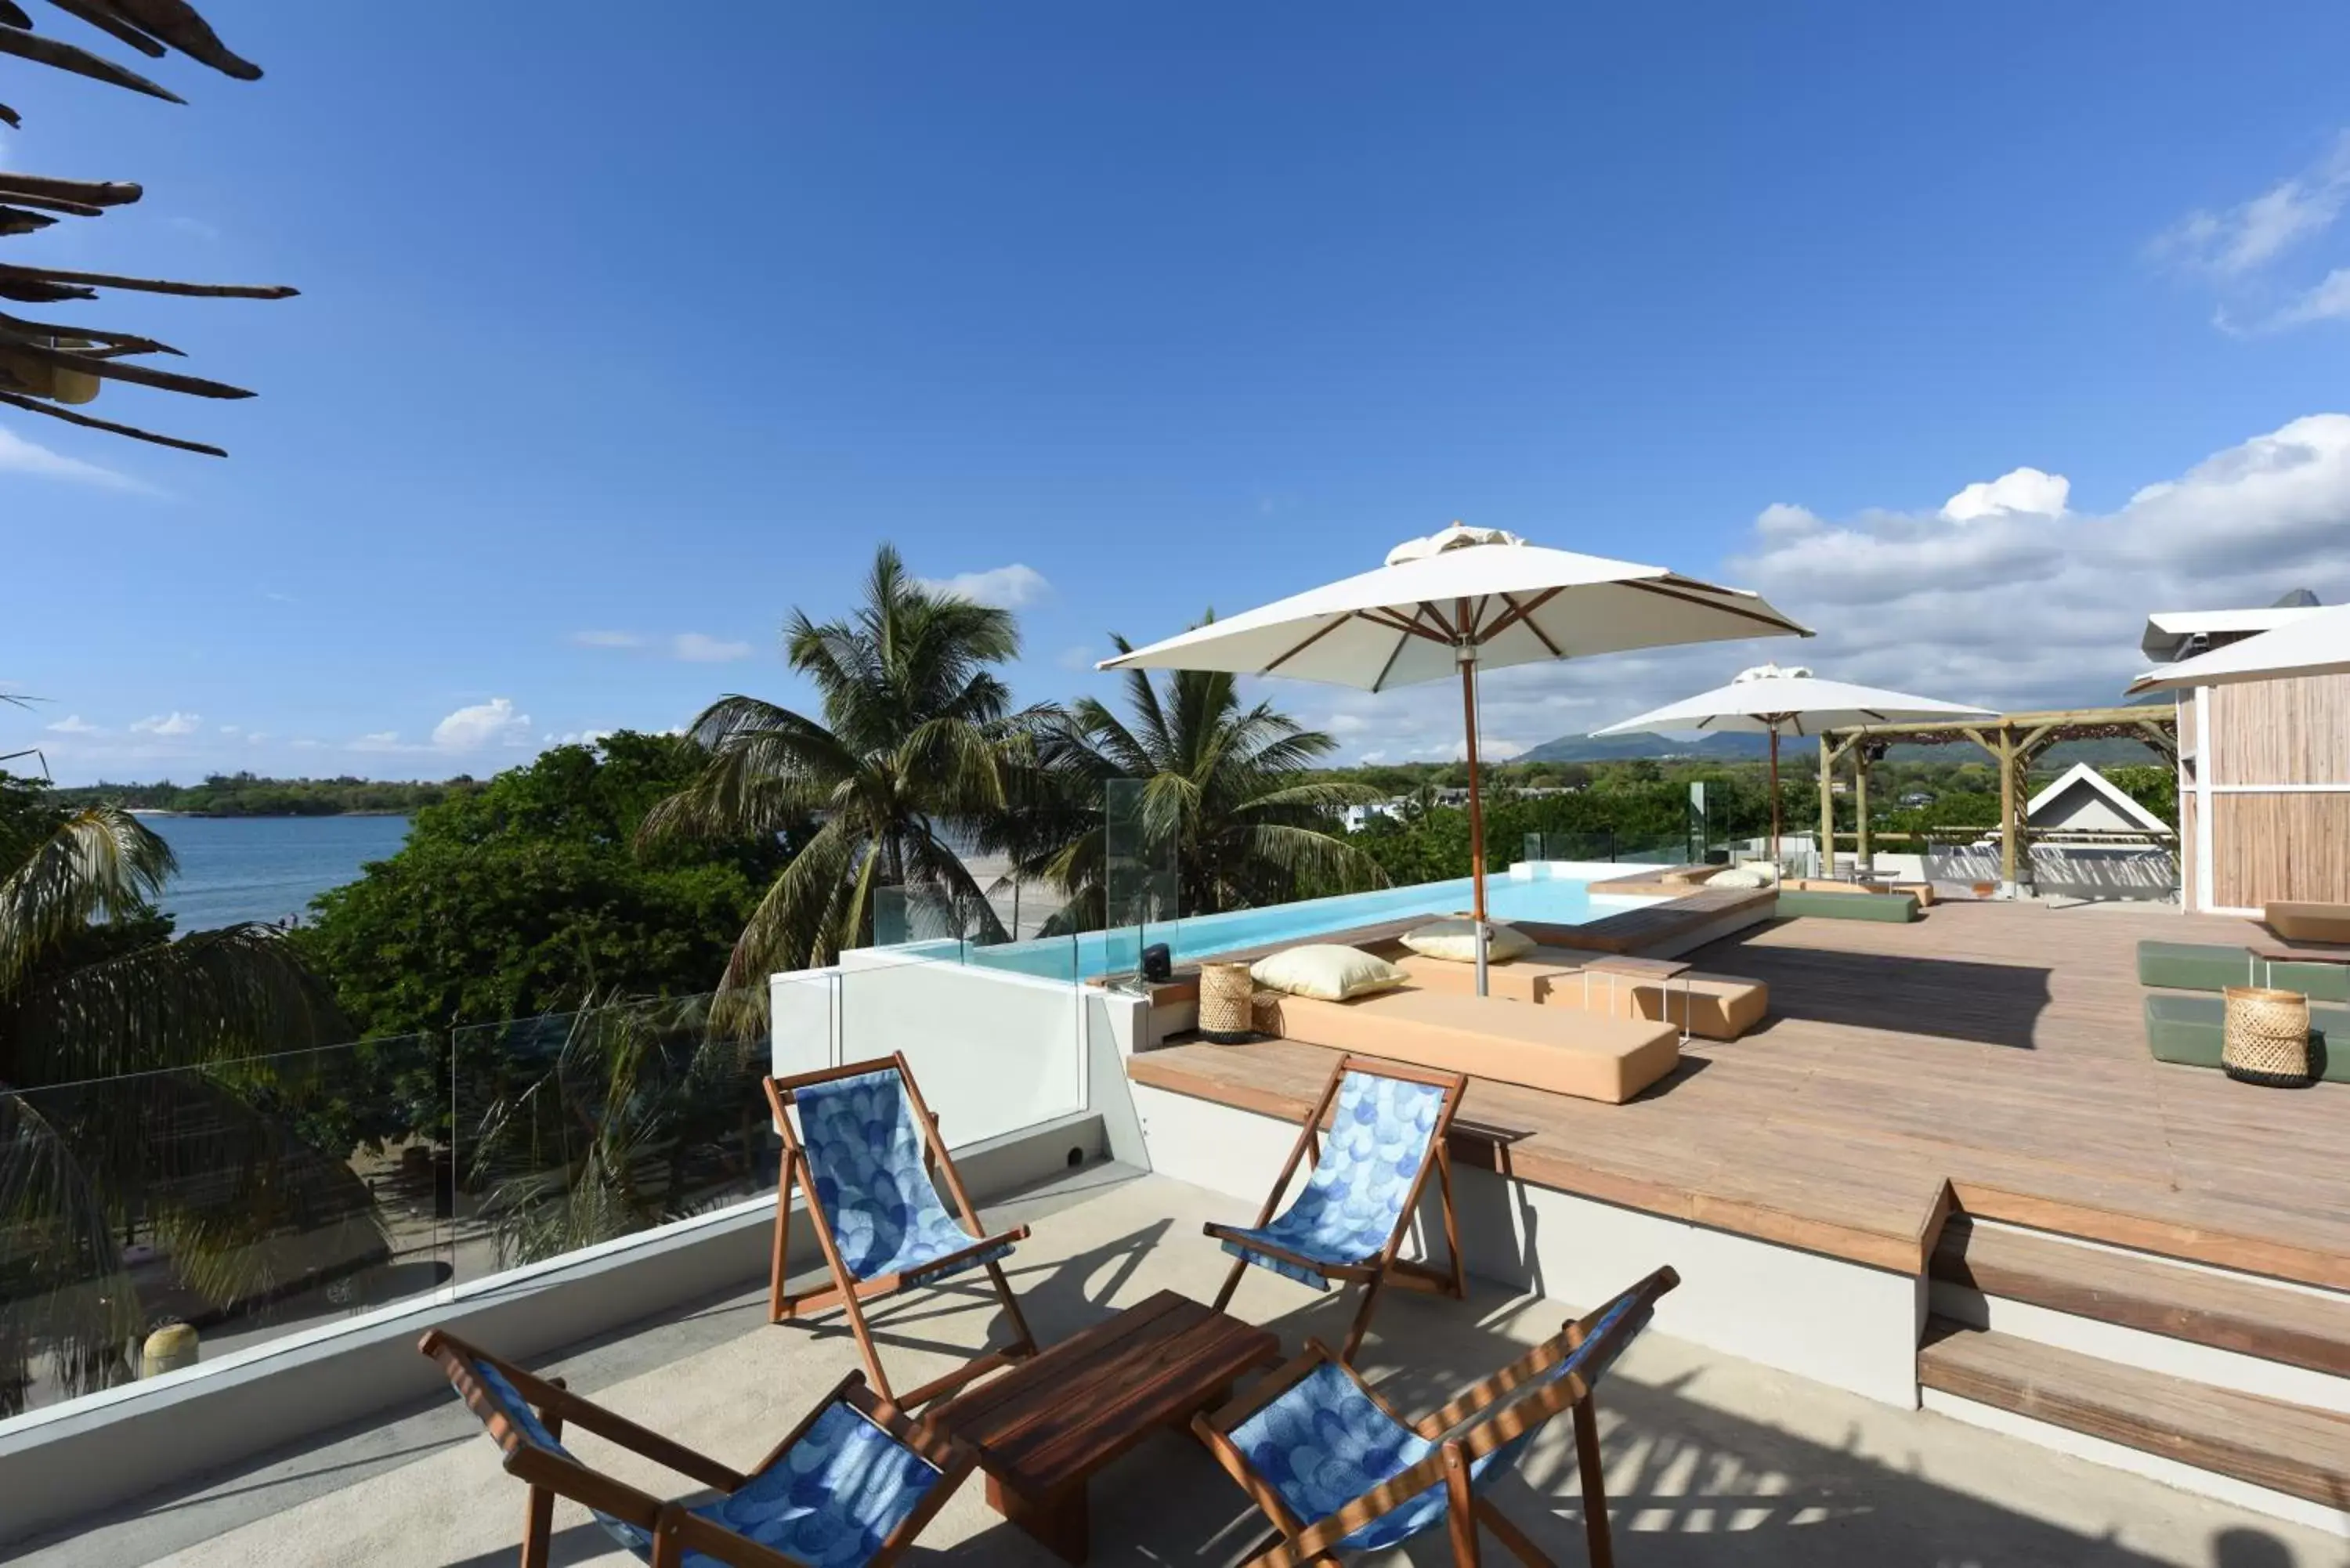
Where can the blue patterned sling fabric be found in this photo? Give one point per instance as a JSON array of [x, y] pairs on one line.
[[1324, 1442], [865, 1154], [829, 1501], [1383, 1131]]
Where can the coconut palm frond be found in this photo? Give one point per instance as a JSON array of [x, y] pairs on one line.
[[97, 864]]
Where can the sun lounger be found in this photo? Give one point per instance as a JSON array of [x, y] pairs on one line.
[[1858, 904], [1557, 1049], [2187, 1028], [1713, 1006], [2302, 921], [2192, 966]]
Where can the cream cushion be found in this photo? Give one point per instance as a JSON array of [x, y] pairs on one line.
[[1739, 877], [1455, 942], [1550, 1048], [1325, 971]]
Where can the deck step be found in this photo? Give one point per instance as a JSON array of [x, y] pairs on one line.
[[2288, 1449], [2227, 1312]]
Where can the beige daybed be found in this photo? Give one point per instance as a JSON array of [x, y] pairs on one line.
[[1713, 1006], [1559, 1050]]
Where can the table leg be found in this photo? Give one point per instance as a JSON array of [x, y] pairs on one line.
[[1060, 1523]]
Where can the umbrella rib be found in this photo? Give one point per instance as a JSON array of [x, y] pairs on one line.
[[1526, 612], [1403, 640], [1394, 622], [1452, 633], [1319, 634], [1662, 591]]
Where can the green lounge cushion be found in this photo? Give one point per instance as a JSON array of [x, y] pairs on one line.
[[2188, 1027], [1898, 908], [2189, 966]]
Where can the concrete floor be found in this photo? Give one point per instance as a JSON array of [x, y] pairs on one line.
[[1709, 1460]]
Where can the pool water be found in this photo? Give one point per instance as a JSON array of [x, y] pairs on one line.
[[1556, 900]]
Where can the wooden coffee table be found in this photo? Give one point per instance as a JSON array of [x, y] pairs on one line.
[[1044, 1426]]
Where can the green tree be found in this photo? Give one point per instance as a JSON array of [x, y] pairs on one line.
[[531, 894], [131, 1101], [916, 740], [1232, 789]]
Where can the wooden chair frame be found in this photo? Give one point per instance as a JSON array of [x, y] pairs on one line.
[[844, 1288], [1386, 1265], [1475, 1422], [674, 1531]]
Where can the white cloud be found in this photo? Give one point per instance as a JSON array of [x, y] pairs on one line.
[[610, 638], [700, 648], [173, 723], [2024, 490], [1014, 586], [18, 455], [2328, 301], [231, 729], [1781, 521], [381, 741], [2243, 238], [2243, 250], [494, 722], [575, 738], [75, 724]]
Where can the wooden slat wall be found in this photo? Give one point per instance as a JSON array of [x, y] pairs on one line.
[[2190, 845], [2281, 731], [2187, 724], [2281, 846]]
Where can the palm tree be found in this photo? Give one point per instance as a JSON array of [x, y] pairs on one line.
[[1231, 790], [137, 1096], [916, 740]]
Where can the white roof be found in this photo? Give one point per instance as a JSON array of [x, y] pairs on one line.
[[2083, 774], [2312, 642], [1514, 602], [1793, 702], [2167, 630]]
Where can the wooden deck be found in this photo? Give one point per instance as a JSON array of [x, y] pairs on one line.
[[1991, 1056]]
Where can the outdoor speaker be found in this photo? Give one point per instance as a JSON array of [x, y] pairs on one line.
[[1157, 962]]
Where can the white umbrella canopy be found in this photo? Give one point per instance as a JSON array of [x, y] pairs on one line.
[[1459, 601], [1767, 700], [2317, 643]]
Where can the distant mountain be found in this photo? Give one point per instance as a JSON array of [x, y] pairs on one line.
[[1730, 748]]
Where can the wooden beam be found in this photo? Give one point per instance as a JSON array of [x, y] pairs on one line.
[[1828, 810], [177, 23], [114, 370], [36, 275], [103, 18], [17, 220], [2007, 808]]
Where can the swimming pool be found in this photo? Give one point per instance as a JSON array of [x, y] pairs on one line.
[[1564, 900]]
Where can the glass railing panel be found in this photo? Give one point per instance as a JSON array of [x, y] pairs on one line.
[[155, 1220], [1139, 881], [578, 1128]]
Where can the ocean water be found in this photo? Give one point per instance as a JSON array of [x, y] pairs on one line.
[[234, 868]]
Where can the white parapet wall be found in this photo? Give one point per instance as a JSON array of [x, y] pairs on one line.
[[1832, 1320]]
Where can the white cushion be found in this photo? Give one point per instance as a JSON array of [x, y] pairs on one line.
[[1328, 971], [1455, 942], [1741, 877]]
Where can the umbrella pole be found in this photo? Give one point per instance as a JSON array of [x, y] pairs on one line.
[[1774, 795], [1476, 809]]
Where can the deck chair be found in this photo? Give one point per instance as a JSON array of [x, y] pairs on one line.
[[1349, 1220], [1337, 1468], [851, 1486], [864, 1153]]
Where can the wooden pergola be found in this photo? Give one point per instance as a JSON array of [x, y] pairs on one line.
[[2015, 741]]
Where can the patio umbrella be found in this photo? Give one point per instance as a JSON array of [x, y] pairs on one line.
[[1767, 700], [1459, 601], [2317, 643]]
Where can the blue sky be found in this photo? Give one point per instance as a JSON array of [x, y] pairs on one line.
[[621, 337]]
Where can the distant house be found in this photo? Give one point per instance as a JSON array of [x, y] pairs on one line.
[[2085, 801]]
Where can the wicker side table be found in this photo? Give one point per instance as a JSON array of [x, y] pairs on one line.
[[2266, 1037], [1227, 1014]]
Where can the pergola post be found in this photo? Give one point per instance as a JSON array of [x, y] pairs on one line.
[[1862, 863], [2007, 810], [1828, 810]]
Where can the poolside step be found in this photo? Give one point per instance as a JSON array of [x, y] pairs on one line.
[[2266, 1443], [2135, 1289]]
